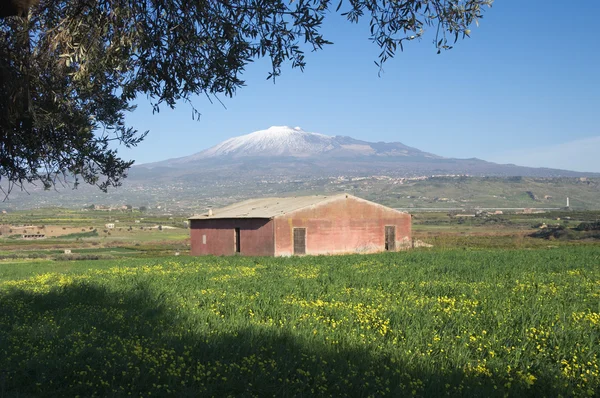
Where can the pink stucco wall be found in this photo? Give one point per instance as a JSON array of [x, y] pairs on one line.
[[347, 225]]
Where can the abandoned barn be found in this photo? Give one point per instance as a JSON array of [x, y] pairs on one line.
[[300, 225]]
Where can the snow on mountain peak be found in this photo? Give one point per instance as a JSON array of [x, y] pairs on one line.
[[285, 141], [274, 141]]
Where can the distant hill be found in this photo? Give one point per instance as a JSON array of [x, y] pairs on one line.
[[290, 161], [283, 141], [282, 151]]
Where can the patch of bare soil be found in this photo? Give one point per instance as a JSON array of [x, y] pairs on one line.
[[47, 230]]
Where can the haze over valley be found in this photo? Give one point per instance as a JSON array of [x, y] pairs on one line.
[[284, 160]]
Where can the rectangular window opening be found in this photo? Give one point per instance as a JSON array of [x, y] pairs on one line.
[[237, 241]]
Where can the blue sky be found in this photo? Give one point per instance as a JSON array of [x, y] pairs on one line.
[[523, 89]]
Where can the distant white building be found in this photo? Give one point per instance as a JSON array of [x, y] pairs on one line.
[[109, 226]]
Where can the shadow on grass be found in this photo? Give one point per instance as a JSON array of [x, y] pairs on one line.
[[86, 340]]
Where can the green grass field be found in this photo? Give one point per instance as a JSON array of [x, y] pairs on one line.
[[432, 322]]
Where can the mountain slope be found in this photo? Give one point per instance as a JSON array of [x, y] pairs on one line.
[[284, 141], [285, 152]]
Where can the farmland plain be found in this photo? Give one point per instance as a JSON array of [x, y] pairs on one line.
[[486, 311]]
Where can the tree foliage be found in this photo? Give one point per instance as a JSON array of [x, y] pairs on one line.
[[71, 69]]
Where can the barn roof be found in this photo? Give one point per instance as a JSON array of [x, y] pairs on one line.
[[266, 207]]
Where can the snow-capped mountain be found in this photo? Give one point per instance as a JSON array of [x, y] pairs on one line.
[[281, 152], [274, 141], [284, 141]]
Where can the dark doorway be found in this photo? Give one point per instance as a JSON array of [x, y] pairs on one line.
[[237, 241], [299, 240], [390, 238]]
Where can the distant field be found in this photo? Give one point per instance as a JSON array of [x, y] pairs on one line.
[[93, 240], [443, 191], [490, 192], [86, 235], [430, 322]]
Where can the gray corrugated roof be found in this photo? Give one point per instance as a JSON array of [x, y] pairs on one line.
[[266, 207]]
